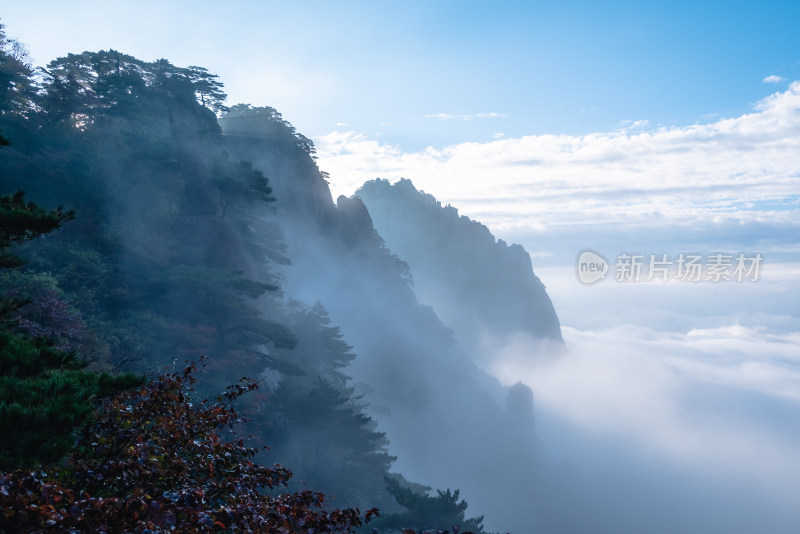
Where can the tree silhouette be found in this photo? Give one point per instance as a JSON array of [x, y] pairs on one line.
[[207, 88]]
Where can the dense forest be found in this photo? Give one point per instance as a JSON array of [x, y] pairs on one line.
[[195, 232]]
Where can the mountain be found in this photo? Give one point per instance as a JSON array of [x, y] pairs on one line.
[[205, 235], [174, 255], [421, 385], [479, 286]]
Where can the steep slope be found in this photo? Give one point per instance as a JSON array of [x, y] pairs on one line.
[[479, 286], [171, 258], [446, 419], [179, 249]]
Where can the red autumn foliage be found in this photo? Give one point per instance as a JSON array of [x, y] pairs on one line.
[[152, 461]]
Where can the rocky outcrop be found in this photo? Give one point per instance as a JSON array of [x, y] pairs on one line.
[[479, 286]]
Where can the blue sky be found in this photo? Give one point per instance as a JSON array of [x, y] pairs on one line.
[[541, 120], [393, 69]]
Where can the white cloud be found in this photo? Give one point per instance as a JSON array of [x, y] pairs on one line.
[[634, 124], [705, 377], [729, 173], [774, 79], [695, 398]]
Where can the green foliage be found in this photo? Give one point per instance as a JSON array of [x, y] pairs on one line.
[[21, 220], [219, 303], [321, 350], [155, 460], [268, 121], [170, 252], [208, 89], [244, 193], [16, 85], [313, 420], [171, 258], [45, 393], [118, 326], [80, 89], [423, 512], [44, 310], [329, 440]]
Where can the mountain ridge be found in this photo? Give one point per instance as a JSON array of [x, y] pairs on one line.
[[480, 286]]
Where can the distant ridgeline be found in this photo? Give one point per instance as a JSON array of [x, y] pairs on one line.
[[477, 285], [202, 230], [418, 379]]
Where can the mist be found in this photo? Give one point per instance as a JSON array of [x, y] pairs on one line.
[[670, 407], [670, 431], [447, 340]]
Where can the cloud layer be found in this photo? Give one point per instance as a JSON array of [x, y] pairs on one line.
[[675, 403], [732, 176], [692, 431]]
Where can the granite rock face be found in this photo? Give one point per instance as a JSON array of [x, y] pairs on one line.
[[477, 285]]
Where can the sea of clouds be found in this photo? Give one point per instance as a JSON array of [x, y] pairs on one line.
[[672, 399]]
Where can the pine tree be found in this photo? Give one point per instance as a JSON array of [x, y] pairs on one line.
[[16, 83], [332, 444], [207, 88], [425, 512], [321, 351], [314, 421], [45, 393], [21, 221]]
